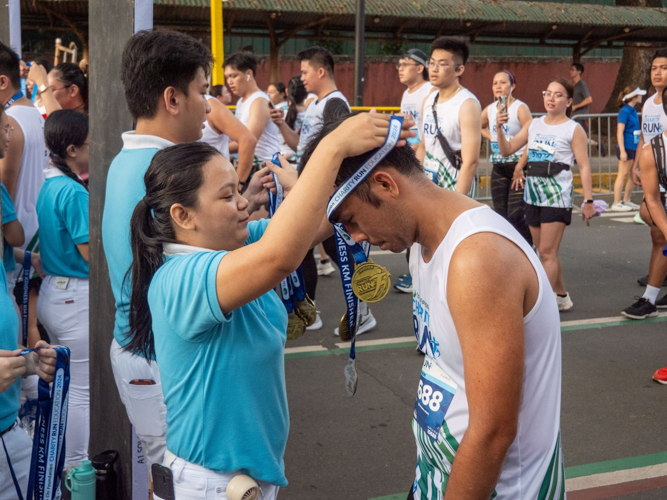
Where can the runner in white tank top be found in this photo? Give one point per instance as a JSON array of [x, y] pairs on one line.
[[533, 466], [268, 143], [654, 120], [413, 72], [312, 120], [511, 128], [219, 141]]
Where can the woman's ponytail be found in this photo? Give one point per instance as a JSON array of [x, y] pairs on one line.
[[174, 176], [65, 128], [296, 94], [625, 92]]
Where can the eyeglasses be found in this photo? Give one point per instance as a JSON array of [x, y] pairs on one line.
[[9, 130], [61, 88], [439, 65], [404, 65], [549, 95]]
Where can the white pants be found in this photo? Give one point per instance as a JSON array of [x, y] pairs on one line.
[[144, 403], [64, 314], [19, 447], [193, 482]]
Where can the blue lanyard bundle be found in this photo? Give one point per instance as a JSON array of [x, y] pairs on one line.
[[26, 293], [48, 450], [13, 99], [348, 249]]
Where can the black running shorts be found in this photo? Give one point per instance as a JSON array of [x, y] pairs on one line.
[[544, 215]]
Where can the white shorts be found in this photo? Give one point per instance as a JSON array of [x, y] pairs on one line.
[[19, 447], [144, 403], [193, 482]]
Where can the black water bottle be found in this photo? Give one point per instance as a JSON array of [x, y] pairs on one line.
[[105, 475]]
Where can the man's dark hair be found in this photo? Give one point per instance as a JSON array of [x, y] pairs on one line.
[[155, 60], [579, 67], [402, 159], [216, 90], [458, 48], [318, 57], [243, 61], [10, 65], [659, 53]]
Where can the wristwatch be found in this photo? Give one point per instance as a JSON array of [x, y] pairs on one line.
[[588, 201], [41, 88]]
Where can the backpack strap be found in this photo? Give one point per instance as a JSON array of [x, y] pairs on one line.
[[658, 148]]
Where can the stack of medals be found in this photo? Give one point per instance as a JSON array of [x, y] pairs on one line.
[[369, 282], [301, 310]]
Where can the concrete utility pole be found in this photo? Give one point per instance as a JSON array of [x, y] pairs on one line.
[[359, 48], [112, 24]]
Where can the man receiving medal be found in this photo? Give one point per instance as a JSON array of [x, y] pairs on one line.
[[489, 327]]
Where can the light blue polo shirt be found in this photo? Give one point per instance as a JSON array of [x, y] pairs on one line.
[[9, 334], [223, 376], [62, 212], [8, 215], [125, 188]]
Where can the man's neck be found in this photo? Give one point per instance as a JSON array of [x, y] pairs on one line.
[[447, 92], [328, 86], [576, 80], [157, 127], [658, 95], [10, 92], [415, 85], [250, 90]]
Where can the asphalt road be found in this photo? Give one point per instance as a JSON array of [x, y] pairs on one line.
[[361, 448]]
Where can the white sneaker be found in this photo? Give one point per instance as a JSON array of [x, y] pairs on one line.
[[325, 268], [317, 325], [564, 303], [632, 205], [620, 207], [366, 323], [638, 219]]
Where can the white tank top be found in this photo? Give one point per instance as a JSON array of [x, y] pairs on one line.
[[34, 161], [436, 164], [411, 104], [550, 143], [441, 410], [511, 128], [654, 120], [268, 143], [285, 150], [312, 120], [210, 136]]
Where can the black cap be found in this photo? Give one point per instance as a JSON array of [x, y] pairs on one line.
[[417, 56]]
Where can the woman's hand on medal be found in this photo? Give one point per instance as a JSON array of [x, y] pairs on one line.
[[364, 132], [287, 175]]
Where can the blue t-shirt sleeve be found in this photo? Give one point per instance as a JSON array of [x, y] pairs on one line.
[[189, 296], [624, 115], [74, 211], [256, 230], [8, 210]]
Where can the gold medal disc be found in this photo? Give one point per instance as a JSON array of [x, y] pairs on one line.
[[371, 282], [295, 326], [307, 311], [344, 329]]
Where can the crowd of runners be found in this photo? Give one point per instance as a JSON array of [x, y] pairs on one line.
[[209, 211]]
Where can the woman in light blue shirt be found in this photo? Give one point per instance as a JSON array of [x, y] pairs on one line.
[[62, 210], [202, 300]]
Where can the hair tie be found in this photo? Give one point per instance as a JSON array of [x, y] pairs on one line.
[[152, 213], [509, 73]]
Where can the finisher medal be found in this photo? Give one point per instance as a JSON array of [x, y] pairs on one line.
[[344, 329], [306, 310], [370, 281], [295, 326]]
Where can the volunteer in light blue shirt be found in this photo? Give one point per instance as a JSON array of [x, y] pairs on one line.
[[202, 301], [63, 304], [12, 231]]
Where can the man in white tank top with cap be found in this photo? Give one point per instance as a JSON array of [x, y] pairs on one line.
[[450, 157], [484, 372], [653, 123], [413, 72], [252, 109]]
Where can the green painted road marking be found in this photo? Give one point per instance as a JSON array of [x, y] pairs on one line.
[[400, 342], [588, 470]]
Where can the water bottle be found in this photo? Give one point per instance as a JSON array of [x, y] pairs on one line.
[[81, 481], [105, 474]]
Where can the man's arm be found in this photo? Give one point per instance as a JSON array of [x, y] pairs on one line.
[[10, 165], [470, 118], [636, 172], [290, 136], [13, 233], [492, 345], [223, 121], [586, 102], [651, 189], [486, 132]]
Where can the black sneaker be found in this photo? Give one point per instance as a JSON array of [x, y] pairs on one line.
[[661, 303], [644, 281], [641, 309]]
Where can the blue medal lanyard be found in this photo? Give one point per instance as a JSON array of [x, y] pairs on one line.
[[48, 450], [292, 288], [26, 295], [346, 247], [13, 99]]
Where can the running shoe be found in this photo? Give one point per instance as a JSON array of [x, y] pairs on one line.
[[638, 219], [632, 205], [404, 283], [564, 303], [644, 281], [661, 303], [641, 309], [366, 323], [661, 376], [317, 325], [324, 268], [620, 207]]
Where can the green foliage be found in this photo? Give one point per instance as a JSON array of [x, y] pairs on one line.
[[393, 48]]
